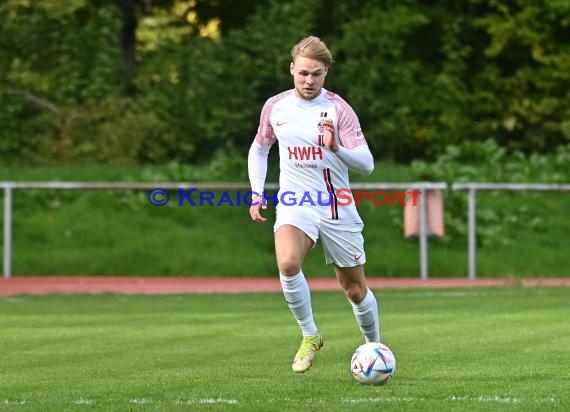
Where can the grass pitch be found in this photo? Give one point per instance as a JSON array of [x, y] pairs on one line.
[[469, 349]]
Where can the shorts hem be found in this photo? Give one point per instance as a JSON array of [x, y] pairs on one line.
[[314, 240], [351, 265]]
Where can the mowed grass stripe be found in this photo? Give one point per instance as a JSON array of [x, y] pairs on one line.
[[475, 349]]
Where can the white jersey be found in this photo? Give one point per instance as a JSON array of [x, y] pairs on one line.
[[310, 174]]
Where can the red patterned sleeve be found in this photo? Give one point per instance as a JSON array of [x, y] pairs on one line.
[[349, 131], [265, 135]]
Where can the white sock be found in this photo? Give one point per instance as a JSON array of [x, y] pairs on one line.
[[298, 297], [366, 313]]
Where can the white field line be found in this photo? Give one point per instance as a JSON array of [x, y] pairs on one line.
[[213, 401], [14, 402], [388, 399], [501, 399], [141, 401], [82, 401], [454, 398], [207, 401], [494, 398]]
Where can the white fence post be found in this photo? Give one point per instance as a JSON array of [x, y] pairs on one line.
[[472, 234], [7, 231], [423, 235]]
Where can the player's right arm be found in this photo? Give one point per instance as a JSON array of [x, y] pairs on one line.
[[257, 161]]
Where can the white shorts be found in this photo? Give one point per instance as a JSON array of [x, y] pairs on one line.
[[342, 241]]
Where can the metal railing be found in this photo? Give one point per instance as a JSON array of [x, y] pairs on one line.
[[9, 187], [472, 188]]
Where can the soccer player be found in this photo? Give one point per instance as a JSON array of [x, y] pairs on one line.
[[320, 139]]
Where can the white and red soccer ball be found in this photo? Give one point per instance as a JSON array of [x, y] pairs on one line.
[[373, 364]]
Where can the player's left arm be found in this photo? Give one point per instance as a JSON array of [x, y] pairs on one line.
[[358, 159], [348, 143]]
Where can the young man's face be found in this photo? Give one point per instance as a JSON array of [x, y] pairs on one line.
[[308, 76]]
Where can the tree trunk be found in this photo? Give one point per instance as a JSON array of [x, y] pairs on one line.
[[128, 44]]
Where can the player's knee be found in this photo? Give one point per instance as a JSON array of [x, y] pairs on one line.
[[355, 292], [289, 267]]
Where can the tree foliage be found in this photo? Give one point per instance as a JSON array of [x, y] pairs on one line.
[[190, 82]]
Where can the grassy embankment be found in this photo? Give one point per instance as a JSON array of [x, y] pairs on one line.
[[120, 233]]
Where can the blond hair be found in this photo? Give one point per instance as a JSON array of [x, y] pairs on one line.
[[312, 48]]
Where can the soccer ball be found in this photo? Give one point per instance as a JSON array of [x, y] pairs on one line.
[[373, 364]]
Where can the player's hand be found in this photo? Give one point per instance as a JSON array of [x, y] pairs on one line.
[[329, 139], [257, 204]]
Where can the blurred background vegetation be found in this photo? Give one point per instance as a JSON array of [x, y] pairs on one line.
[[154, 81]]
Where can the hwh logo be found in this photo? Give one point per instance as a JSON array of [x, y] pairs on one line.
[[305, 153]]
